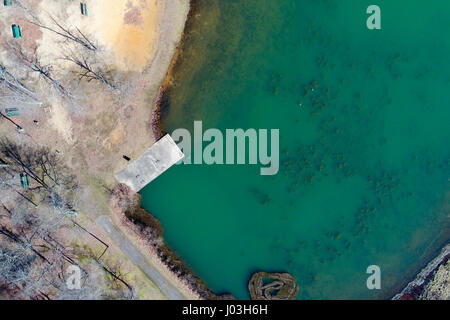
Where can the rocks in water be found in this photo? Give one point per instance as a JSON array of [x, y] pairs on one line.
[[283, 286]]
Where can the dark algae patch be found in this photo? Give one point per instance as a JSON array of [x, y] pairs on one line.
[[364, 153]]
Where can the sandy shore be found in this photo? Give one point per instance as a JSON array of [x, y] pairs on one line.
[[159, 67], [148, 46]]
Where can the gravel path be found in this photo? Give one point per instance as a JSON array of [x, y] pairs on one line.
[[169, 290]]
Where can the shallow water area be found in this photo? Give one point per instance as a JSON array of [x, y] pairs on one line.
[[364, 154]]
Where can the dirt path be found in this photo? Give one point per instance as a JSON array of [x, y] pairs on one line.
[[169, 290]]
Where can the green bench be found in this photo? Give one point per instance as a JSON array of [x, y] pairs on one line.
[[83, 9], [24, 180], [17, 33], [12, 112], [3, 164]]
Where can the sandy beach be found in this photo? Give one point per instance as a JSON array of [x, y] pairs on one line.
[[143, 36]]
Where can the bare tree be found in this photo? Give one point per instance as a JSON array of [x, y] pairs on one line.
[[33, 63], [51, 179], [32, 258], [67, 33], [27, 10], [71, 34], [89, 68], [17, 126], [13, 90], [15, 265]]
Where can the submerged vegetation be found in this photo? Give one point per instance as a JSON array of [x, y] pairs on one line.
[[363, 146]]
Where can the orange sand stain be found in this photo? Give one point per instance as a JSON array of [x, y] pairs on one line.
[[133, 42]]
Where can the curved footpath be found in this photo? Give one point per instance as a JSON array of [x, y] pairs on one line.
[[170, 291]]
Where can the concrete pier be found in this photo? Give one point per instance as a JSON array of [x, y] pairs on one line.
[[153, 162]]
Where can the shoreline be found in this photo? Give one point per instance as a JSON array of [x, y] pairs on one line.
[[161, 252], [157, 128], [411, 290], [148, 234], [416, 287], [156, 110]]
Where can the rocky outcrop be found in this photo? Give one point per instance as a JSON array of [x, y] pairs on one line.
[[283, 286], [439, 287], [415, 289]]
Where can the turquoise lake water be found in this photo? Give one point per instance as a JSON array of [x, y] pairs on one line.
[[364, 161]]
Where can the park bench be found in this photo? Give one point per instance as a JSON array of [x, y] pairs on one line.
[[83, 9], [17, 33], [12, 112], [24, 180]]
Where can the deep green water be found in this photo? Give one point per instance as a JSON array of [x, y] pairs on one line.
[[364, 175]]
